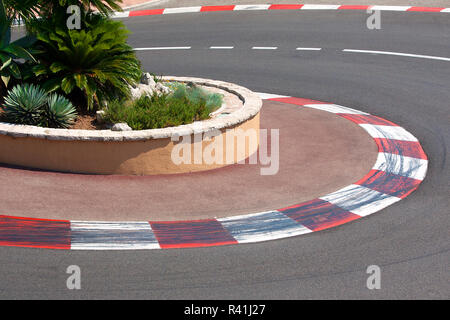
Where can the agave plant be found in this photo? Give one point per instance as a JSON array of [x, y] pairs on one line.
[[95, 62], [23, 104], [59, 112], [28, 104]]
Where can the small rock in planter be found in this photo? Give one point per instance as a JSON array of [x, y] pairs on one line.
[[121, 127], [100, 115], [147, 78], [163, 89], [141, 90]]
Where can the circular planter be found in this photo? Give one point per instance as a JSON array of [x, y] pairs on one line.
[[145, 152]]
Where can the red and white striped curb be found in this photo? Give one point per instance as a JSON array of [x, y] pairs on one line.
[[261, 7], [400, 168], [134, 13]]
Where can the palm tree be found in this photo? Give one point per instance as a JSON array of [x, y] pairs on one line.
[[27, 9], [11, 51], [94, 63], [97, 62], [21, 9]]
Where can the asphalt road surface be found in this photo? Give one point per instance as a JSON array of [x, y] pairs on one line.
[[409, 240]]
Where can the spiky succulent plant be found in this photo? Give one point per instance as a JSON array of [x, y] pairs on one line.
[[23, 104], [28, 104], [58, 113]]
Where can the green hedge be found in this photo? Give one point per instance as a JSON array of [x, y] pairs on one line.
[[185, 105]]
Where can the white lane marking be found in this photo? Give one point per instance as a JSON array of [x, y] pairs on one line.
[[252, 7], [308, 49], [320, 7], [446, 10], [264, 48], [398, 54], [162, 48], [221, 47], [390, 8], [182, 10]]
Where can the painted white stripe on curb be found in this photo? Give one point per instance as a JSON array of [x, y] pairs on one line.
[[446, 10], [390, 8], [265, 96], [320, 7], [404, 166], [262, 226], [360, 200], [104, 235], [388, 132], [182, 10], [334, 108], [251, 7], [398, 54], [110, 225], [114, 246], [124, 14]]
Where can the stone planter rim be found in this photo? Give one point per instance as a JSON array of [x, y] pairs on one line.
[[252, 104]]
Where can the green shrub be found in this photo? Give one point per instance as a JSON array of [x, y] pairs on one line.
[[196, 94], [95, 62], [156, 112], [28, 104]]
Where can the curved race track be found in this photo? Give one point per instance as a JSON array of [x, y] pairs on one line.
[[409, 240]]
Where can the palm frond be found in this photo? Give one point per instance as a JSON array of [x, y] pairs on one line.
[[96, 60]]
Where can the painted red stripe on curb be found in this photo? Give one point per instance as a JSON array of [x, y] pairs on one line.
[[411, 149], [33, 245], [425, 9], [36, 233], [297, 101], [196, 233], [217, 8], [35, 219], [353, 7], [318, 214], [146, 12], [367, 119], [285, 6], [388, 183]]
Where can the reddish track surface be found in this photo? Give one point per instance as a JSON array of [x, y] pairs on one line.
[[319, 153]]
